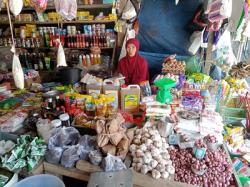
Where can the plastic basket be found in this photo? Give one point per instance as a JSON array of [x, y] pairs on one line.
[[43, 180]]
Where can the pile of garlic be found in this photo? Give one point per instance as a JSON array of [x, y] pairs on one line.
[[150, 154]]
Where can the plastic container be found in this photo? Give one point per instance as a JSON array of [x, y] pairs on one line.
[[70, 75], [199, 153], [65, 120], [43, 180], [56, 123]]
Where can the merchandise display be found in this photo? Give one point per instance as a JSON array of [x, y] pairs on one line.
[[66, 110]]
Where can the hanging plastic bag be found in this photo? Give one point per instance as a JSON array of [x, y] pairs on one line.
[[61, 60], [17, 72], [67, 9], [39, 5], [70, 156], [16, 6]]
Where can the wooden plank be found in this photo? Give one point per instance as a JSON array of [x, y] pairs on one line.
[[87, 167], [38, 170], [69, 172], [78, 7], [64, 22]]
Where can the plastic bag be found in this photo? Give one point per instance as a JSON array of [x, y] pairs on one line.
[[44, 129], [86, 144], [66, 8], [16, 6], [39, 5], [95, 157], [112, 163], [70, 156], [54, 155], [65, 137], [61, 60], [17, 72]]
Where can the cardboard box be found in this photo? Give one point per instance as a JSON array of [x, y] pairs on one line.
[[28, 82]]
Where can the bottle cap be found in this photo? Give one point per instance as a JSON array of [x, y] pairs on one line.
[[64, 117], [56, 123]]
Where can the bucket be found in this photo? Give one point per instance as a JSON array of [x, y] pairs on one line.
[[43, 180], [70, 75]]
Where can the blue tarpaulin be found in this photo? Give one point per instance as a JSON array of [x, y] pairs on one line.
[[163, 30]]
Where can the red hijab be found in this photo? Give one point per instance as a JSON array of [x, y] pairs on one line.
[[135, 68]]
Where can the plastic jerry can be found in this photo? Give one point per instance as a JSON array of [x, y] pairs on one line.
[[130, 99]]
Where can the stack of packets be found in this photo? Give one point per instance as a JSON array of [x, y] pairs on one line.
[[92, 105], [241, 167], [234, 137], [200, 126], [12, 122], [27, 153], [155, 108]]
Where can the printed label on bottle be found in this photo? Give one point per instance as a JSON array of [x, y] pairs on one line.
[[131, 101]]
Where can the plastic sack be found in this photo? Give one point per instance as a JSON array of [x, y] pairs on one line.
[[39, 5], [112, 163], [86, 144], [44, 129], [16, 6], [70, 156], [54, 155], [65, 137], [61, 60], [165, 127], [17, 72], [66, 8], [95, 157]]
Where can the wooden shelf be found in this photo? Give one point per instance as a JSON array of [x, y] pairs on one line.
[[94, 6], [56, 48], [64, 22]]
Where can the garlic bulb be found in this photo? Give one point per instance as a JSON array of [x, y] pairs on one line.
[[170, 169], [136, 141], [156, 174], [143, 147], [144, 169], [153, 163], [132, 148], [160, 167], [164, 175], [148, 142], [139, 153]]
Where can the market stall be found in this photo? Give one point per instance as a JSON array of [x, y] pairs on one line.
[[77, 117]]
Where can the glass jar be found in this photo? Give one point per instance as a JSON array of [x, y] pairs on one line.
[[65, 120]]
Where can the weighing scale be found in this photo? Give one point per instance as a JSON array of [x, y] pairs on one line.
[[163, 93]]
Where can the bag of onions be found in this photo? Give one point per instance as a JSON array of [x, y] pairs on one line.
[[199, 167], [212, 142]]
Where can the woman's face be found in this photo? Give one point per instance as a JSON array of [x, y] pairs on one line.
[[131, 50]]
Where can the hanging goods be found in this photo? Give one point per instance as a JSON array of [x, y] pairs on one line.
[[61, 60], [39, 5], [163, 93], [15, 6], [67, 9]]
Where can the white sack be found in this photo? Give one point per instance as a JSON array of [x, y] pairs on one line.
[[17, 72], [61, 60], [16, 6]]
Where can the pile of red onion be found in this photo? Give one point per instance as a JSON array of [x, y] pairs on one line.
[[218, 170], [210, 139], [200, 144]]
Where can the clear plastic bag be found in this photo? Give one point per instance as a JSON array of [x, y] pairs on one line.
[[70, 156], [86, 144], [112, 163], [17, 72], [54, 155], [15, 7], [65, 137], [95, 157]]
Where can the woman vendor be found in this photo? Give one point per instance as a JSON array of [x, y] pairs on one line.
[[133, 67]]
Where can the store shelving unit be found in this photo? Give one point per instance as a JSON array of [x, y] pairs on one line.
[[94, 8]]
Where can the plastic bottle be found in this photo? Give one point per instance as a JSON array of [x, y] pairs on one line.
[[88, 62]]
